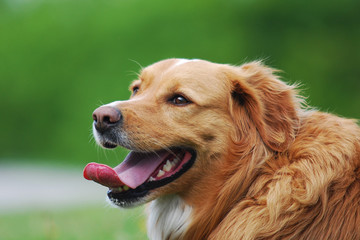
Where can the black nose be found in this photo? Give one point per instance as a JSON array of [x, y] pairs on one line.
[[106, 117]]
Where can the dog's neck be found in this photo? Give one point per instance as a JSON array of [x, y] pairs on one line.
[[168, 218]]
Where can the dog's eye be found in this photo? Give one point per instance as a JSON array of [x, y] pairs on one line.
[[135, 90], [179, 100]]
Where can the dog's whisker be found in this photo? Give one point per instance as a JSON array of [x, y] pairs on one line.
[[134, 61]]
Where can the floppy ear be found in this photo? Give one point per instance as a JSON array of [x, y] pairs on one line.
[[269, 104]]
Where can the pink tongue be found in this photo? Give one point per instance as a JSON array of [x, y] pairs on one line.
[[133, 171]]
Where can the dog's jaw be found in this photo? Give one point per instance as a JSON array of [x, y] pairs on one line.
[[169, 217]]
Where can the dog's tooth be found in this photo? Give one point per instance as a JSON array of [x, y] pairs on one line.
[[126, 188], [167, 166], [151, 179], [169, 162], [160, 173]]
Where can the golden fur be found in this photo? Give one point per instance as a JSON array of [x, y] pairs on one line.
[[266, 167]]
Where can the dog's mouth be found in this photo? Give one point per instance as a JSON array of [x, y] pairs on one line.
[[140, 172]]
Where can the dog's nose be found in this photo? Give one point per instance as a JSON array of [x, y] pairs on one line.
[[106, 117]]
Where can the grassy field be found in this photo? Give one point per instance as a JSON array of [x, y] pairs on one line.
[[86, 223]]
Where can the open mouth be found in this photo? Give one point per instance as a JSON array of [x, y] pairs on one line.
[[140, 172]]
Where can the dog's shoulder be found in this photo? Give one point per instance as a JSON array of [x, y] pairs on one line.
[[327, 134], [168, 218]]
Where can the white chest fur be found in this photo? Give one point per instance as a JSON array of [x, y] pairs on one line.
[[168, 218]]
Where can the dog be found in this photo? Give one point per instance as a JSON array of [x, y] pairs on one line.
[[229, 152]]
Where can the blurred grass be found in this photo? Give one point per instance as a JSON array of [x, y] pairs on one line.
[[89, 223], [60, 59]]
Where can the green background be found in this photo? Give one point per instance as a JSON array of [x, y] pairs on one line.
[[60, 59]]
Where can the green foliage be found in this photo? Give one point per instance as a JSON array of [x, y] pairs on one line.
[[88, 223], [60, 59]]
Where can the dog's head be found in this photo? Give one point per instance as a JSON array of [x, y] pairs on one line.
[[183, 120]]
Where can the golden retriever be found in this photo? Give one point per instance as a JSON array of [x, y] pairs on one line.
[[229, 152]]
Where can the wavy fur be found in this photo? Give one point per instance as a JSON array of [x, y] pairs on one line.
[[266, 167]]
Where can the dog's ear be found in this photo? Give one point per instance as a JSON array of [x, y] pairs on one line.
[[270, 105]]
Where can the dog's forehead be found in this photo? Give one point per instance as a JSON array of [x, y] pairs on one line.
[[194, 73]]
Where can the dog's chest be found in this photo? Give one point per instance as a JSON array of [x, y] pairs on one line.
[[168, 218]]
